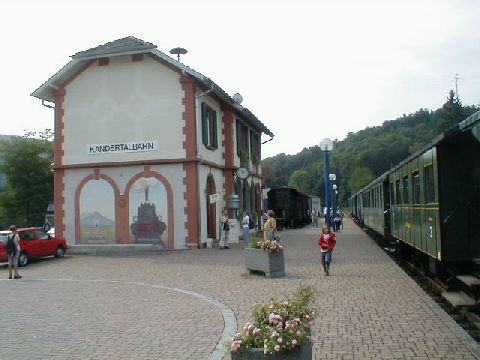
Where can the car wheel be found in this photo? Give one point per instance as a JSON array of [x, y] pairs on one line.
[[60, 252], [23, 259]]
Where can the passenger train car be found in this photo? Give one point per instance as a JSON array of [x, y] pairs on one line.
[[291, 207], [430, 202]]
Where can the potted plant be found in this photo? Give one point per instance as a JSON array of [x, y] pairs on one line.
[[281, 330], [265, 256]]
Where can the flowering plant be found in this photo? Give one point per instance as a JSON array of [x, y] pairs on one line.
[[279, 326], [267, 245]]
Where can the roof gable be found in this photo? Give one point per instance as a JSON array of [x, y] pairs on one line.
[[129, 44], [132, 45]]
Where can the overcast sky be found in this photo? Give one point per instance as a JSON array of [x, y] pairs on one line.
[[306, 69]]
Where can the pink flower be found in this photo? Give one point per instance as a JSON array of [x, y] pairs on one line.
[[294, 342], [280, 340], [277, 348]]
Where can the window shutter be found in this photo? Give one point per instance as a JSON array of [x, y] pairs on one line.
[[252, 146], [204, 124], [239, 145], [215, 135]]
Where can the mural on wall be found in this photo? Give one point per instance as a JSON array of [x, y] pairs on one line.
[[97, 213], [148, 212]]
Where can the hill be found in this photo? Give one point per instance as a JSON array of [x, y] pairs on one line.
[[364, 155]]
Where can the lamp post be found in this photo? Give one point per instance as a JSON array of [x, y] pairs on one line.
[[326, 145], [334, 198]]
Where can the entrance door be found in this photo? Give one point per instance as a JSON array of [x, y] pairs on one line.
[[211, 209]]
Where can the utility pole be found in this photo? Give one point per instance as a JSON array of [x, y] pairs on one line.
[[456, 87]]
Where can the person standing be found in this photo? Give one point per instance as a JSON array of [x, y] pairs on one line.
[[314, 218], [270, 226], [246, 228], [225, 230], [46, 226], [13, 252], [327, 243]]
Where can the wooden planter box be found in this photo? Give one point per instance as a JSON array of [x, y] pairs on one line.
[[304, 352], [270, 263]]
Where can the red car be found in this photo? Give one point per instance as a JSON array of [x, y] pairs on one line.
[[34, 243]]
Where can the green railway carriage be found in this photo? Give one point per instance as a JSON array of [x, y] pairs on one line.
[[431, 200]]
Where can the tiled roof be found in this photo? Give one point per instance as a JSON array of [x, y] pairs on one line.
[[132, 45], [125, 45]]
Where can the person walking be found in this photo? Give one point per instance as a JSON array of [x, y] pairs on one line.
[[13, 252], [225, 230], [246, 228], [327, 243], [270, 226]]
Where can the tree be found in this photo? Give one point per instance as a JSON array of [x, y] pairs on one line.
[[451, 112], [26, 165], [299, 180], [361, 176]]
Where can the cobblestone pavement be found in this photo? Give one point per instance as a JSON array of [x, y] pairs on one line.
[[133, 307]]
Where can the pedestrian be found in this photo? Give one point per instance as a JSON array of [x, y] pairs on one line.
[[225, 230], [270, 226], [46, 226], [13, 252], [246, 228], [314, 218], [327, 244], [337, 222]]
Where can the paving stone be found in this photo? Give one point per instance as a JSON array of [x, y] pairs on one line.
[[100, 307]]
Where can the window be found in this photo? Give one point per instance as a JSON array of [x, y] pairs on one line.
[[209, 127], [429, 185], [416, 187], [398, 199], [27, 235], [242, 142], [405, 190], [254, 147]]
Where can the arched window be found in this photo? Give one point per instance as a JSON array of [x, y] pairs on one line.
[[97, 213], [148, 212]]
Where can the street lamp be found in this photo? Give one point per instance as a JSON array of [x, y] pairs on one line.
[[326, 145], [334, 198]]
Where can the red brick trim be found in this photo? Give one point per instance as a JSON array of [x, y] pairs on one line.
[[59, 176], [228, 154], [103, 61], [116, 191], [137, 57], [191, 195], [125, 230], [77, 73]]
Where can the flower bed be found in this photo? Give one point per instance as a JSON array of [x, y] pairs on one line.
[[281, 329]]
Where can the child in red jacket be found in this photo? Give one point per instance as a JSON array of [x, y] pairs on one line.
[[327, 244]]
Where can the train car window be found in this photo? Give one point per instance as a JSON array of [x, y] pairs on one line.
[[429, 185], [405, 190], [416, 187], [392, 194], [397, 192]]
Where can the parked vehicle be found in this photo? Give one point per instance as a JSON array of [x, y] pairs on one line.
[[34, 243], [291, 207]]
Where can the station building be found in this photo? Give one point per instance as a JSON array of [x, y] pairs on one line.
[[146, 149]]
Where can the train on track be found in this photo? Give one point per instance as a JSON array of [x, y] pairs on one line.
[[292, 208], [428, 206]]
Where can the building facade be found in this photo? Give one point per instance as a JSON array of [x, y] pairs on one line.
[[146, 149]]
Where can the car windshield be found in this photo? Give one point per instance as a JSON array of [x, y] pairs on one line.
[[42, 235]]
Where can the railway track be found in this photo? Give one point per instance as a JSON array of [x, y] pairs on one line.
[[467, 317]]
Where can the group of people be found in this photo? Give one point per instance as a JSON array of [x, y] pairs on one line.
[[269, 227]]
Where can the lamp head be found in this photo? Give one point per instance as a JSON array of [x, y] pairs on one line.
[[326, 144]]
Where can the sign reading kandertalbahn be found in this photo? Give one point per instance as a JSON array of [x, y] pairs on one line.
[[134, 146]]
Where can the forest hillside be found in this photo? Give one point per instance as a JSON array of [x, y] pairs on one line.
[[364, 155]]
